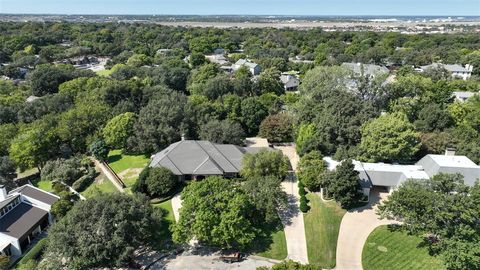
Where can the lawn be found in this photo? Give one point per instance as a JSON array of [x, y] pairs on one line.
[[322, 224], [101, 185], [395, 249], [43, 185], [162, 238], [127, 167], [278, 247]]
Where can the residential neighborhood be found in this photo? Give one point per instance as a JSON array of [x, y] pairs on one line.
[[279, 142]]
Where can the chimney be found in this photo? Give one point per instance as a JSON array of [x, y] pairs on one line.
[[450, 152], [183, 137], [3, 193]]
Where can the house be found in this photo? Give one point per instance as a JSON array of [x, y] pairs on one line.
[[191, 159], [254, 68], [463, 96], [219, 59], [367, 70], [457, 71], [290, 82], [24, 214], [389, 176]]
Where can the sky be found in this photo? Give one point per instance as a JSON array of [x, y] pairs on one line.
[[245, 7]]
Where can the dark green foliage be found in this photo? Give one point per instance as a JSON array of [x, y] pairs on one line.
[[64, 170], [224, 131], [433, 117], [252, 114], [303, 199], [344, 186], [126, 222], [277, 128], [85, 181], [99, 149], [34, 253], [160, 181], [311, 170], [7, 172], [265, 163], [291, 265], [45, 79]]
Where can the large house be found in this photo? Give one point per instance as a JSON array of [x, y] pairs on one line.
[[457, 71], [190, 159], [24, 214], [254, 68], [389, 176]]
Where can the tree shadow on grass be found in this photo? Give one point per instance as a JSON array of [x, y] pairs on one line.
[[162, 236], [264, 239], [114, 158]]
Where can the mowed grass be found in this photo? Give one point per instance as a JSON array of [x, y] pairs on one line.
[[162, 237], [322, 224], [128, 167], [96, 188], [278, 248], [395, 249], [43, 185]]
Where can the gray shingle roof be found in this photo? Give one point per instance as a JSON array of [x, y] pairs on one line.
[[367, 69], [201, 158], [21, 219], [37, 194], [451, 68], [434, 164]]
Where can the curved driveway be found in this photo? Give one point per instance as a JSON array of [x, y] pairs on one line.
[[356, 226]]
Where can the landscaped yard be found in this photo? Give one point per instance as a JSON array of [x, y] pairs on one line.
[[127, 167], [43, 185], [393, 249], [278, 248], [322, 224], [162, 237], [101, 185]]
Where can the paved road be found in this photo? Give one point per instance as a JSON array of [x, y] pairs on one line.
[[292, 218], [176, 205], [355, 228]]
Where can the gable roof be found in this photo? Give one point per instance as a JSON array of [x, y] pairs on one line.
[[200, 158], [451, 68], [37, 194], [21, 219], [383, 174], [246, 62], [434, 164]]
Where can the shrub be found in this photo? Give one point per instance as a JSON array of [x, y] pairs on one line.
[[35, 252], [304, 206], [160, 181], [83, 182], [65, 170]]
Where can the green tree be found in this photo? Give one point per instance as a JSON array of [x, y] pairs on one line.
[[138, 60], [306, 140], [216, 213], [433, 117], [7, 172], [115, 224], [99, 149], [277, 128], [311, 170], [344, 184], [267, 195], [224, 131], [46, 78], [391, 137], [160, 181], [118, 129], [252, 114], [63, 170], [265, 163], [269, 82]]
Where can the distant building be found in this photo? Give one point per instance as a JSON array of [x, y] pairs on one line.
[[390, 176], [31, 99], [290, 82], [456, 70], [463, 96], [219, 59], [190, 159], [368, 70], [24, 215], [163, 51], [254, 68]]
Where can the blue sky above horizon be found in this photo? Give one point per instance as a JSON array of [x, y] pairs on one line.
[[246, 7]]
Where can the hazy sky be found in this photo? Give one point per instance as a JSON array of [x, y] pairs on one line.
[[251, 7]]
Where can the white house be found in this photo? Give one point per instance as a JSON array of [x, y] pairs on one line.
[[290, 82], [24, 214], [254, 68], [463, 96], [390, 176], [457, 71]]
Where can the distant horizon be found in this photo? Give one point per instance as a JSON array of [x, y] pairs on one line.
[[236, 15], [452, 8]]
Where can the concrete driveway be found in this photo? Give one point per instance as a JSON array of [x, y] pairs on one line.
[[292, 217], [176, 205], [356, 226]]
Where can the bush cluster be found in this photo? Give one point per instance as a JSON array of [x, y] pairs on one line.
[[303, 199]]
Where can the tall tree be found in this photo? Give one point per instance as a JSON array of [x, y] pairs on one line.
[[277, 128], [118, 129], [344, 184], [265, 163]]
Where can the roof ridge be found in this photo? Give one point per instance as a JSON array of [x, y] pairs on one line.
[[228, 160], [171, 161], [209, 157]]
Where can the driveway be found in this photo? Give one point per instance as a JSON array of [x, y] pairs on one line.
[[356, 226], [292, 218]]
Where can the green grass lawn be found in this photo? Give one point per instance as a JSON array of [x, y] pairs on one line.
[[43, 185], [96, 188], [162, 238], [278, 248], [394, 249], [322, 224], [128, 167]]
